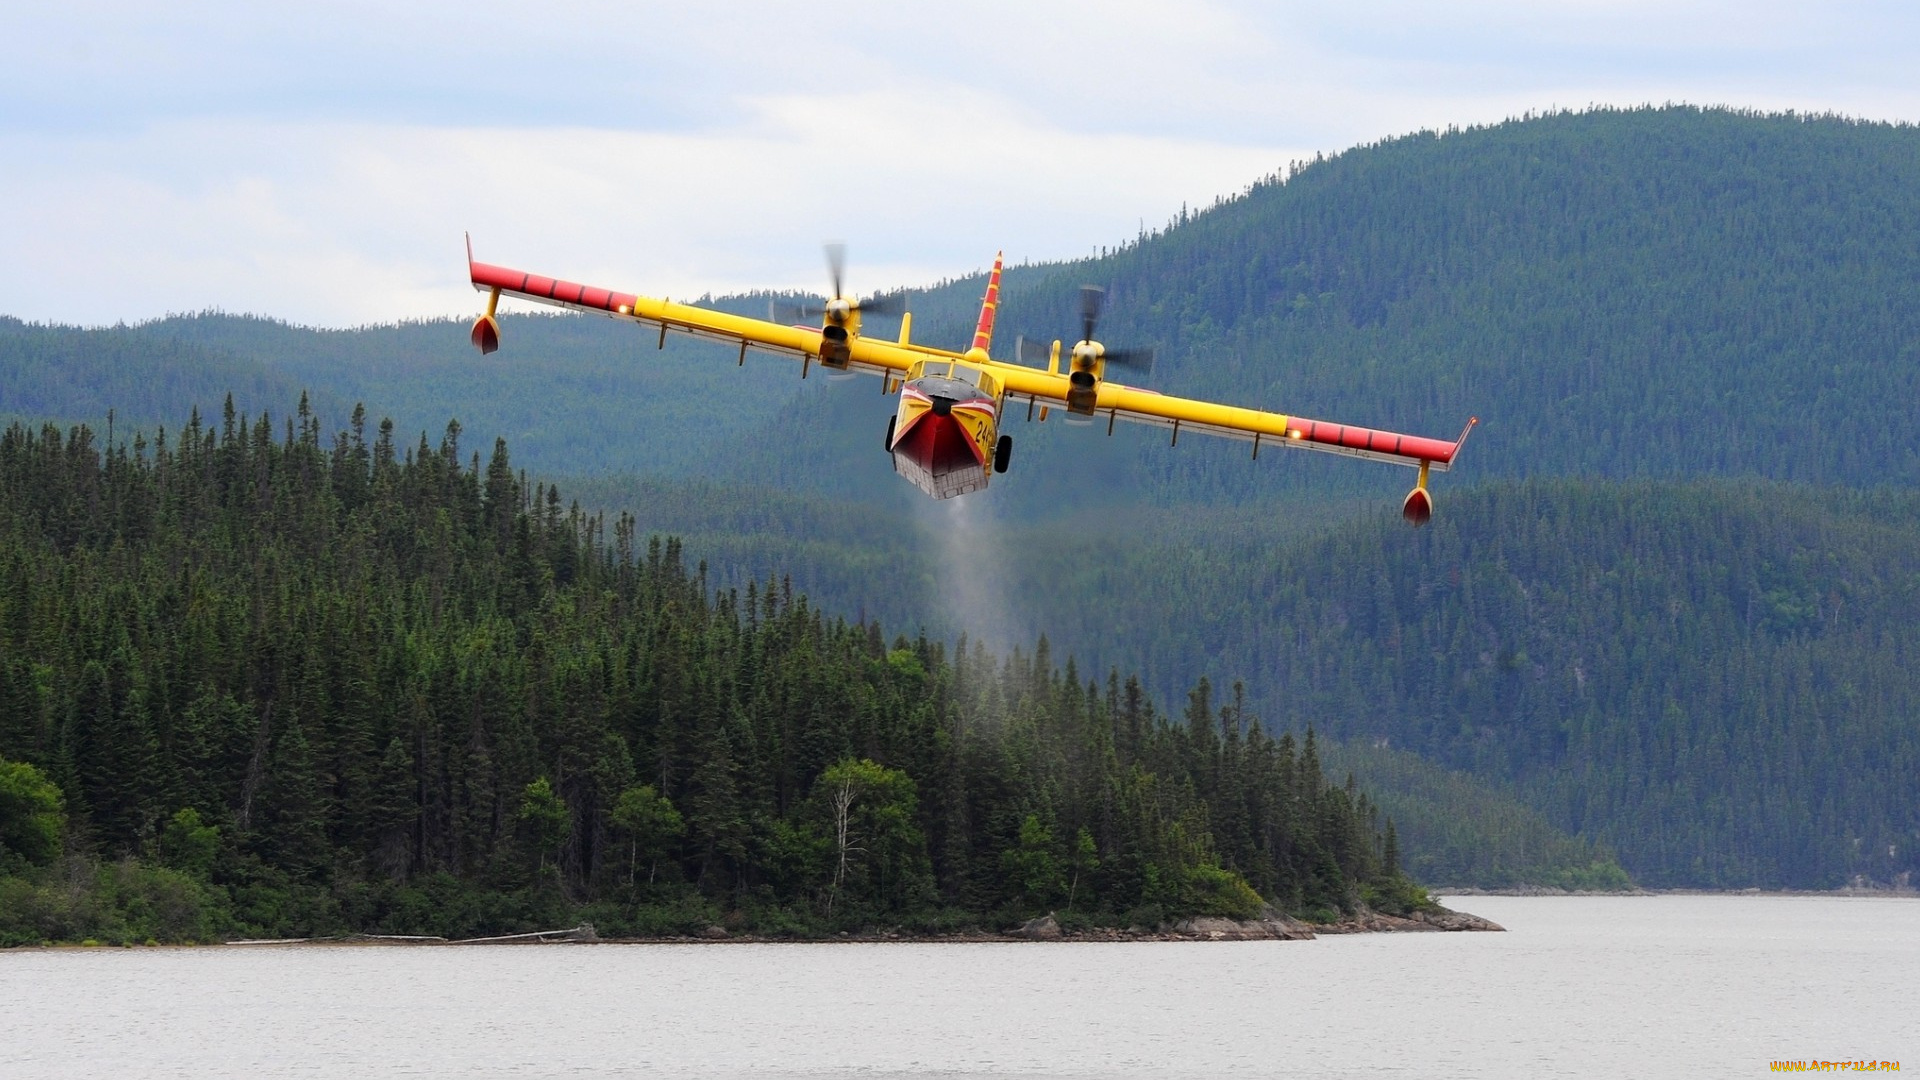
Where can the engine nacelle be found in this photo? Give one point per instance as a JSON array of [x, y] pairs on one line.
[[1083, 392], [1083, 381], [836, 350]]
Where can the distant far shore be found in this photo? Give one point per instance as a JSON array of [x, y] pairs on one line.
[[1548, 890]]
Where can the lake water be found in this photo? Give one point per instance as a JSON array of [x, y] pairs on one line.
[[1578, 987]]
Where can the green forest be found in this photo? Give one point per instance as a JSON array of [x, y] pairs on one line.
[[1714, 679], [1664, 612], [260, 682]]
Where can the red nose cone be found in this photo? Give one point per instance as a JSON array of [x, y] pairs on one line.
[[1418, 509], [486, 334]]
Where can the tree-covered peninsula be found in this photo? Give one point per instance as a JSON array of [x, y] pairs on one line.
[[257, 681]]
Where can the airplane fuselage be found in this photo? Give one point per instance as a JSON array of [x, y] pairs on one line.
[[943, 435]]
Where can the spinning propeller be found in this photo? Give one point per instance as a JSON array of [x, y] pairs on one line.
[[840, 314], [838, 308], [1086, 351], [1088, 360]]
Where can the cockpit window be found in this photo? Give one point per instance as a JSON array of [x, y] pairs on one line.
[[963, 374]]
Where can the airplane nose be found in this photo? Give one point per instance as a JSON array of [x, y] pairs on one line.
[[942, 406]]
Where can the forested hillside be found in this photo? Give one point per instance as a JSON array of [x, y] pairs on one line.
[[1714, 678], [580, 395], [317, 684], [1455, 831], [64, 373], [1711, 679], [1720, 680]]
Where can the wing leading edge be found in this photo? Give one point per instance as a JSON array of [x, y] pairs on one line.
[[1262, 429]]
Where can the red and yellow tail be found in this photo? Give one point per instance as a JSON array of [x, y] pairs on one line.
[[983, 333]]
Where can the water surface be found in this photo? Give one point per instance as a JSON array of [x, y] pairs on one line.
[[1578, 987]]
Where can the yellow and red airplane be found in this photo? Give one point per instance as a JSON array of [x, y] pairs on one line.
[[945, 435]]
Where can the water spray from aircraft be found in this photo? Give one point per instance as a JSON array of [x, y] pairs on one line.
[[969, 570]]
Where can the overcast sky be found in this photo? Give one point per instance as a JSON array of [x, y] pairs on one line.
[[318, 162]]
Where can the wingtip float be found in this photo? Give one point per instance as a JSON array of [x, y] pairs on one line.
[[486, 329], [945, 435]]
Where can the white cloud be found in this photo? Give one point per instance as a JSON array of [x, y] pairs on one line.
[[346, 223], [319, 162]]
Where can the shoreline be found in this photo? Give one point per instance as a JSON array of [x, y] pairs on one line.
[[1270, 926], [1548, 890]]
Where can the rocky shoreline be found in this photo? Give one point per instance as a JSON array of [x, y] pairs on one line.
[[1269, 925], [1549, 890], [1438, 919]]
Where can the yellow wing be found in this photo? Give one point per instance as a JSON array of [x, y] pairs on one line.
[[1042, 389], [1180, 416], [802, 343]]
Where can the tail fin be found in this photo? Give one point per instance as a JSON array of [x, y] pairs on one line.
[[983, 333]]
